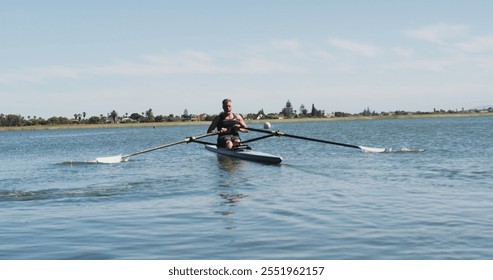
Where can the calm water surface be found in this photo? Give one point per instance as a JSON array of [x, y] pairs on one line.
[[431, 198]]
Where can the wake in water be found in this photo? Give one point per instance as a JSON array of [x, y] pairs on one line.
[[105, 160], [404, 150], [75, 193], [79, 162]]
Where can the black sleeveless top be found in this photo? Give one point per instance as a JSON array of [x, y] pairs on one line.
[[229, 124]]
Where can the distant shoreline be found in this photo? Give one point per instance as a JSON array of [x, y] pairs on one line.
[[205, 123]]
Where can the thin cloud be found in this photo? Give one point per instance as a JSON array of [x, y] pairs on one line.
[[478, 44], [262, 66], [433, 65], [438, 33], [323, 54], [185, 62], [188, 61], [354, 47], [291, 45], [486, 63], [40, 74], [404, 52]]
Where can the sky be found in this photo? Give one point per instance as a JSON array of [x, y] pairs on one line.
[[60, 58]]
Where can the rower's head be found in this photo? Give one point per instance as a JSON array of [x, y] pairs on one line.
[[227, 105]]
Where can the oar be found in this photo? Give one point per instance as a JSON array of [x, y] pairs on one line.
[[121, 158], [256, 139], [279, 133]]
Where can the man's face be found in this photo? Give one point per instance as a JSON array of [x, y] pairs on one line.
[[227, 107]]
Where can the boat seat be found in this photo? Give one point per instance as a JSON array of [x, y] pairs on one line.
[[241, 147]]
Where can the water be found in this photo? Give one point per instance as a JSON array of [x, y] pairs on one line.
[[429, 199]]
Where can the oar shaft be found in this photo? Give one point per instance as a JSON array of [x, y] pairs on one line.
[[258, 138], [321, 141], [155, 148], [186, 140], [278, 133]]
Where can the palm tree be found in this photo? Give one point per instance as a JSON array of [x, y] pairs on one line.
[[113, 115], [150, 115]]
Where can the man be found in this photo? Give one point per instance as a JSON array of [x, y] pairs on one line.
[[228, 124]]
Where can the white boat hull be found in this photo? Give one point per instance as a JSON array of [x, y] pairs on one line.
[[246, 154]]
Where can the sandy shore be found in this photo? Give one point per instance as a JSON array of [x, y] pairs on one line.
[[352, 118]]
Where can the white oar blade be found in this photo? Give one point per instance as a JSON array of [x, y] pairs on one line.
[[372, 150], [113, 159]]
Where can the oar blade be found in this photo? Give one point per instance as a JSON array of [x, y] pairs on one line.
[[372, 150], [112, 159]]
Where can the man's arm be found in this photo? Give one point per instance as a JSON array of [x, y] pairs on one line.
[[242, 124], [213, 124]]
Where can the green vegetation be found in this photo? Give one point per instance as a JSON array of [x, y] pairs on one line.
[[18, 120]]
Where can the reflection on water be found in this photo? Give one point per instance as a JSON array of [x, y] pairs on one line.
[[231, 198], [229, 201], [228, 183], [228, 207], [229, 164]]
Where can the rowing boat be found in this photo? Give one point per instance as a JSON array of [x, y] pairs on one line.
[[246, 153], [242, 152]]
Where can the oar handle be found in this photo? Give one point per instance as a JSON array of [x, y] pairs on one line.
[[192, 138]]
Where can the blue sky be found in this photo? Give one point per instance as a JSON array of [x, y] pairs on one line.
[[59, 58]]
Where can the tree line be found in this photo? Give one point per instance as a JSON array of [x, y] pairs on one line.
[[148, 116], [287, 112], [82, 118]]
